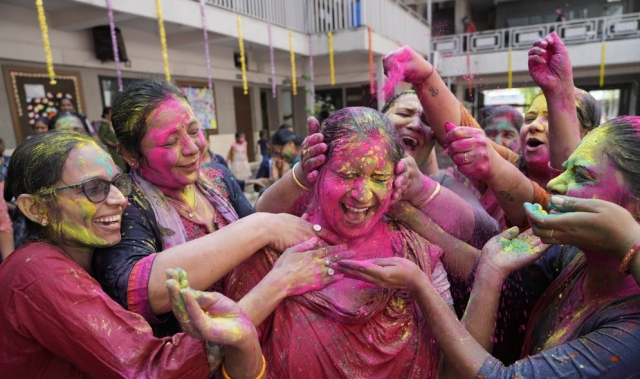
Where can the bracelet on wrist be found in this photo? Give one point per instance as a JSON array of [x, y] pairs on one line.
[[225, 375], [296, 181], [433, 195], [624, 265]]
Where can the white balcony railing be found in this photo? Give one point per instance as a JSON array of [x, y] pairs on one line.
[[571, 32], [389, 18]]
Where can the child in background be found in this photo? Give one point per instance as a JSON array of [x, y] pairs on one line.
[[237, 158]]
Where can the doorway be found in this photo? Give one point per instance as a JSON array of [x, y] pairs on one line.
[[244, 119]]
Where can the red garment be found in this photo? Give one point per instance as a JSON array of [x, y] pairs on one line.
[[315, 336], [58, 323]]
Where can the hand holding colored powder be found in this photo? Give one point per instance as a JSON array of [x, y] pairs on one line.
[[509, 251]]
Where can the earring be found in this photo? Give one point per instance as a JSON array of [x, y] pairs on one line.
[[45, 222]]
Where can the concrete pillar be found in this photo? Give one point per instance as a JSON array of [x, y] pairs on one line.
[[380, 78]]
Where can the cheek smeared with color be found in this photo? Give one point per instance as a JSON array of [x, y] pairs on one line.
[[76, 231]]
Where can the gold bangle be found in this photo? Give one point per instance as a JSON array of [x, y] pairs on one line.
[[260, 375], [433, 195], [295, 180], [624, 266]]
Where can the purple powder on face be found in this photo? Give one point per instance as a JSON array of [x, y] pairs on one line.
[[395, 74]]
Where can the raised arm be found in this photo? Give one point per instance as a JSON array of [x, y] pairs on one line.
[[550, 68]]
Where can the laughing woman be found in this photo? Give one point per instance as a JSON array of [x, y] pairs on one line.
[[349, 329], [56, 320], [182, 214]]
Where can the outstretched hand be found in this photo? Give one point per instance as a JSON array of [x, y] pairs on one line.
[[208, 316], [508, 251], [384, 272], [470, 150], [549, 64]]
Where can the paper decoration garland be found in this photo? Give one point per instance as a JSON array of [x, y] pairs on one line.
[[273, 65], [294, 81], [312, 82], [372, 88], [510, 71], [45, 41], [163, 41], [332, 68], [602, 63], [114, 44], [206, 43], [243, 64]]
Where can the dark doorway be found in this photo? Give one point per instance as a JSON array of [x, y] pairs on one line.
[[244, 119]]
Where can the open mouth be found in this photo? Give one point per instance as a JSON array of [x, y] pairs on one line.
[[410, 143], [110, 221], [534, 142], [355, 215]]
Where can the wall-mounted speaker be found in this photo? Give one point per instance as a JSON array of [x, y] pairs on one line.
[[103, 45]]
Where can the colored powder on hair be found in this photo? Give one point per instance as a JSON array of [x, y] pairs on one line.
[[396, 73]]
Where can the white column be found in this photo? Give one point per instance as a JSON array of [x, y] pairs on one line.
[[380, 78]]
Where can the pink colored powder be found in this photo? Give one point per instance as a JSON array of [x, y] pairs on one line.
[[395, 73]]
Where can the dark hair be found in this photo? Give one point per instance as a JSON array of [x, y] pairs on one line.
[[105, 111], [132, 107], [42, 119], [349, 123], [588, 109], [394, 99], [37, 165], [60, 115], [505, 111], [239, 134], [623, 148], [282, 136]]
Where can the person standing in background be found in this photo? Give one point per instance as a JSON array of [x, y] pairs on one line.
[[560, 15], [237, 158], [108, 137]]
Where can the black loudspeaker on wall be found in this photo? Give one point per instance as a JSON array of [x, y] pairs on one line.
[[103, 45]]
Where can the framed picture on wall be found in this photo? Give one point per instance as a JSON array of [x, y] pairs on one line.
[[202, 101], [32, 96]]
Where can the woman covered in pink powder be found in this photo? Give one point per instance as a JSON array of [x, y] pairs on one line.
[[349, 328], [238, 159]]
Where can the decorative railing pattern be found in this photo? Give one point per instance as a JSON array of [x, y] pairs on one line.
[[571, 32]]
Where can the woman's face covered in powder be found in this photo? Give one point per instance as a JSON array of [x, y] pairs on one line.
[[534, 136], [356, 186], [172, 146], [407, 115]]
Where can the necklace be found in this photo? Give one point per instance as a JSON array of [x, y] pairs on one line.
[[184, 208]]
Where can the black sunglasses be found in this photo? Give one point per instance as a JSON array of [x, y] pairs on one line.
[[97, 190]]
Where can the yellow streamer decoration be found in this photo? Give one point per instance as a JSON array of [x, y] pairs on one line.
[[602, 59], [292, 53], [331, 63], [163, 41], [45, 42], [510, 71], [243, 64]]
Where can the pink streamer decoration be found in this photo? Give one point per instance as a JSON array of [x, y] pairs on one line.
[[395, 73], [273, 65], [206, 44], [312, 85], [114, 43]]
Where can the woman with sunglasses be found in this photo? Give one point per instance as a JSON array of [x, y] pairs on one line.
[[56, 320], [182, 214]]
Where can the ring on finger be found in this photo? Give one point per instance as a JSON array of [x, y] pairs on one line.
[[331, 271], [327, 261], [551, 235], [464, 158], [317, 228]]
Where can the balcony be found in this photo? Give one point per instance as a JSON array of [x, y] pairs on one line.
[[488, 51], [390, 19]]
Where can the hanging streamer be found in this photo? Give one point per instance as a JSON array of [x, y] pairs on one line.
[[332, 68], [273, 64], [312, 82], [372, 88], [602, 61], [243, 62], [163, 41], [114, 44], [206, 43], [470, 82], [294, 81], [45, 42], [510, 71]]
